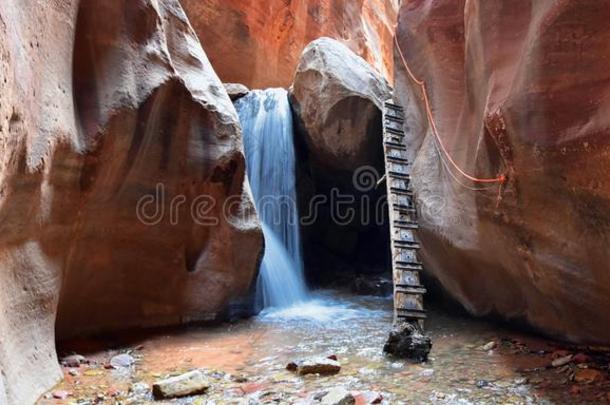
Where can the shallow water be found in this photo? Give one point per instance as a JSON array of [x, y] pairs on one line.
[[354, 329]]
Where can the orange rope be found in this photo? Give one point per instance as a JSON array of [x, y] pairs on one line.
[[500, 179]]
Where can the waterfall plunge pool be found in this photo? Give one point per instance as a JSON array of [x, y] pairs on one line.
[[247, 360]]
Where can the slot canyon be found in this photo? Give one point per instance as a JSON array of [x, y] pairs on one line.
[[304, 202]]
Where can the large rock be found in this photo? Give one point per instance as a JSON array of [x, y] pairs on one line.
[[258, 43], [164, 227], [337, 98], [36, 109], [406, 341], [112, 124], [522, 91]]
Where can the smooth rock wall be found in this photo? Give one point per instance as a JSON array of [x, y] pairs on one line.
[[521, 91], [102, 102]]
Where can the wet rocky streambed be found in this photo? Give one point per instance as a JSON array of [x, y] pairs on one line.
[[472, 361]]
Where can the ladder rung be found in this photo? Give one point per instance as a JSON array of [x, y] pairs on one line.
[[393, 106], [395, 118], [417, 265], [420, 311], [404, 244], [403, 207], [411, 269], [410, 314], [396, 159], [395, 131], [408, 210], [395, 145], [404, 285], [411, 290], [400, 175], [402, 191], [406, 247], [406, 225]]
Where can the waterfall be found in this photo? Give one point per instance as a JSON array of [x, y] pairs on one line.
[[267, 127]]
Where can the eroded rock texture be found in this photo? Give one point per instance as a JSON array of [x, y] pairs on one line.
[[337, 99], [113, 123], [258, 43], [522, 91]]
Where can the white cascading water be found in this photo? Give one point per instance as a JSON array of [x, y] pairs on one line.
[[267, 128]]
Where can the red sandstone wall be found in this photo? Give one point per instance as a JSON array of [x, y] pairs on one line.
[[258, 43], [522, 90]]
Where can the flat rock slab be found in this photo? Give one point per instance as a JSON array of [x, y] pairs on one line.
[[319, 365], [191, 383], [338, 396]]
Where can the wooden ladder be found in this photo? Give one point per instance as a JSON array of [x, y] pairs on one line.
[[406, 268]]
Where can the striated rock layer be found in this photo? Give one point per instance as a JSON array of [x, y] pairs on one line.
[[112, 125], [258, 43], [521, 91]]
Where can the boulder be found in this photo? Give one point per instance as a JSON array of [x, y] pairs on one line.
[[520, 92], [236, 90], [258, 43], [191, 383], [123, 199], [406, 341], [337, 97], [166, 232]]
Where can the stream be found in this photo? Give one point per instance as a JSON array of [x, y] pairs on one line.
[[246, 361]]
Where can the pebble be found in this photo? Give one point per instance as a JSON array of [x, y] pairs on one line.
[[74, 360], [428, 372], [482, 383], [139, 389], [489, 346], [581, 358], [61, 394], [588, 376], [562, 361], [122, 361], [521, 380]]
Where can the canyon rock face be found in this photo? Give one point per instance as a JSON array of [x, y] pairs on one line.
[[258, 43], [337, 99], [520, 91], [123, 199]]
